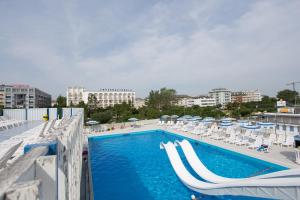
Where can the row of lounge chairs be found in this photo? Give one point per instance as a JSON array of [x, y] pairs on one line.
[[6, 123], [253, 139]]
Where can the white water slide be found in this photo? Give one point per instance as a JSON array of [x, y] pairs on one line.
[[278, 188], [208, 175]]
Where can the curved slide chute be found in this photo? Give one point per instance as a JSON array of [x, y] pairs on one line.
[[208, 175], [283, 188]]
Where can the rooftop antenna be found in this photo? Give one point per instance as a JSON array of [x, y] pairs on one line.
[[293, 83]]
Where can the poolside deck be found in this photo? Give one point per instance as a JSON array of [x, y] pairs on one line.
[[283, 156]]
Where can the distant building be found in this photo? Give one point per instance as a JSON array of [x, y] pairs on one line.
[[246, 96], [105, 97], [75, 95], [23, 96], [139, 102], [221, 95], [53, 102], [201, 101]]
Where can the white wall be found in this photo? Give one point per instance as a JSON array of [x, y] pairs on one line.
[[52, 113], [17, 114], [34, 114]]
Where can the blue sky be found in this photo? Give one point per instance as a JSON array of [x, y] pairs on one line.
[[191, 46]]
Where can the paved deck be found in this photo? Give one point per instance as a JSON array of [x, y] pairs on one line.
[[279, 155]]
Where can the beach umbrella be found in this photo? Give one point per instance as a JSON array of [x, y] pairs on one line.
[[266, 123], [133, 119], [226, 120], [164, 116], [187, 116], [91, 122], [249, 126], [243, 122], [181, 119], [197, 117], [226, 124], [208, 119]]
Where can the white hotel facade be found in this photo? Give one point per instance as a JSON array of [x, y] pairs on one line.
[[222, 96], [201, 101], [105, 97]]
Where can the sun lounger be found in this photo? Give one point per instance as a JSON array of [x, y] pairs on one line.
[[289, 141], [257, 143]]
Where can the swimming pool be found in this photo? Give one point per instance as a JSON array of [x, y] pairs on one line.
[[132, 166]]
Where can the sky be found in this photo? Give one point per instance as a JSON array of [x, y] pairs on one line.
[[191, 45]]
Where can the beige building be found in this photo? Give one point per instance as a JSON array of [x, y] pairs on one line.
[[246, 96], [201, 101], [2, 97], [74, 95], [105, 97]]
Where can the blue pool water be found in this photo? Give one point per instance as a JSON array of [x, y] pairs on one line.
[[132, 166]]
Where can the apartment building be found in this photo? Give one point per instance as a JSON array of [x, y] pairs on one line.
[[221, 95], [246, 96], [201, 101], [23, 96], [105, 97], [74, 95]]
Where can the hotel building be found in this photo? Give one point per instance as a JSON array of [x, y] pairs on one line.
[[23, 96], [105, 97], [201, 101], [246, 96], [221, 95]]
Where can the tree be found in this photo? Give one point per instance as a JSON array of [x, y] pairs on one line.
[[102, 117], [245, 111], [92, 102], [162, 99], [1, 110], [81, 104], [288, 95], [122, 111], [61, 101]]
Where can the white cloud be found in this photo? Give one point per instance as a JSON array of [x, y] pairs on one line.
[[192, 46]]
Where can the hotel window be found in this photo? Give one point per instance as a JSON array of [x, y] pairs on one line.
[[292, 128], [284, 127]]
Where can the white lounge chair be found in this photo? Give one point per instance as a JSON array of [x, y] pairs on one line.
[[297, 152], [272, 137], [258, 142], [244, 141], [289, 141], [279, 140], [230, 138]]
